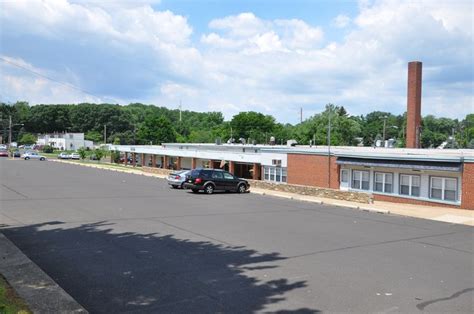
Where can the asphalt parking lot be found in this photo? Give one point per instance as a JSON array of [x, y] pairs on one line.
[[120, 242]]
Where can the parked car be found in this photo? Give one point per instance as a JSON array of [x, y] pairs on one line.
[[64, 155], [33, 155], [3, 147], [3, 153], [210, 180], [176, 179], [93, 157], [75, 156], [129, 159], [16, 154]]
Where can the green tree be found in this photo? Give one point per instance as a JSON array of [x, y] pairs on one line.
[[27, 138], [252, 125], [344, 129], [99, 153], [94, 136], [47, 149], [200, 136], [156, 129], [82, 153]]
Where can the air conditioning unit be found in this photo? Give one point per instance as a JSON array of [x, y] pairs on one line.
[[276, 162]]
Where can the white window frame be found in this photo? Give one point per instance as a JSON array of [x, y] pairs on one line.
[[270, 174], [410, 185], [384, 181], [360, 181], [348, 177], [443, 188]]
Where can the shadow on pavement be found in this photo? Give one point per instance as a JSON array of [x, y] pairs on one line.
[[112, 272]]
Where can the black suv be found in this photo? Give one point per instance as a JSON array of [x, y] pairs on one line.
[[210, 180]]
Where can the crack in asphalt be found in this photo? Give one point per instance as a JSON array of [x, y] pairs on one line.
[[371, 244], [14, 191], [421, 306]]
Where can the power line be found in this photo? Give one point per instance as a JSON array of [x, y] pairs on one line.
[[49, 78]]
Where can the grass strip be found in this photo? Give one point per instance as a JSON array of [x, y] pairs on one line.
[[10, 302]]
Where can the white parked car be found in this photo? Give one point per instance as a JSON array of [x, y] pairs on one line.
[[176, 179], [75, 156], [64, 156], [32, 155], [3, 147]]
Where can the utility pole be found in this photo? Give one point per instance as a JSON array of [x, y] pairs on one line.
[[10, 132], [105, 133], [384, 125], [301, 114], [329, 148], [180, 116], [452, 137]]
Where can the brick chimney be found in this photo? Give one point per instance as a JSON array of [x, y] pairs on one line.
[[414, 105]]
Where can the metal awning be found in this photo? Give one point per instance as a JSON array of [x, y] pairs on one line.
[[401, 164]]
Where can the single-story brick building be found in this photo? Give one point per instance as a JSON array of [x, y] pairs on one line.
[[418, 176]]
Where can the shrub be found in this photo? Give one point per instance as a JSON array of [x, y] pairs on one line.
[[99, 153], [115, 156], [47, 149], [82, 152]]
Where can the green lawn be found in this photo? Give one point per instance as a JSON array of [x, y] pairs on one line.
[[10, 303]]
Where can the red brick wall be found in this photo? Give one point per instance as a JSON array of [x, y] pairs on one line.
[[312, 170], [467, 198], [413, 104], [394, 199]]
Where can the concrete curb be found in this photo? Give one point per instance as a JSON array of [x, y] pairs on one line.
[[35, 287], [320, 202]]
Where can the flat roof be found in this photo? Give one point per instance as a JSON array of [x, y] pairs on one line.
[[439, 155], [449, 155]]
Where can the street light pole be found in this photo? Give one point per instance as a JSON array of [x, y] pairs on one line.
[[10, 132]]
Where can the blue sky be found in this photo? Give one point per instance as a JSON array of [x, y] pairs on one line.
[[269, 56]]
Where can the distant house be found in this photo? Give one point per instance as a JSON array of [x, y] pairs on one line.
[[65, 141]]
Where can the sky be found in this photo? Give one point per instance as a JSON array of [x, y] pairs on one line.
[[273, 57]]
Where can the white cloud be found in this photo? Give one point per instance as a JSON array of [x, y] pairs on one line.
[[250, 34], [341, 21], [245, 62], [38, 88]]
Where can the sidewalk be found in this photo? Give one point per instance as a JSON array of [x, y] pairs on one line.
[[444, 214], [450, 215], [33, 285]]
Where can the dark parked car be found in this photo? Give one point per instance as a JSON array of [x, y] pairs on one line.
[[16, 154], [210, 180]]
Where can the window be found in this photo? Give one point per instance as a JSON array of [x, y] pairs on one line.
[[217, 175], [206, 173], [228, 176], [275, 174], [360, 180], [383, 182], [266, 172], [344, 176], [283, 174], [409, 185], [444, 188]]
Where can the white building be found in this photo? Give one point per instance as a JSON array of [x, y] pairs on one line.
[[65, 141]]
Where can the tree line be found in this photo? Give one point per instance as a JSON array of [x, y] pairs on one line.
[[138, 123]]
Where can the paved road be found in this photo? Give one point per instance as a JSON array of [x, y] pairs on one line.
[[127, 243]]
